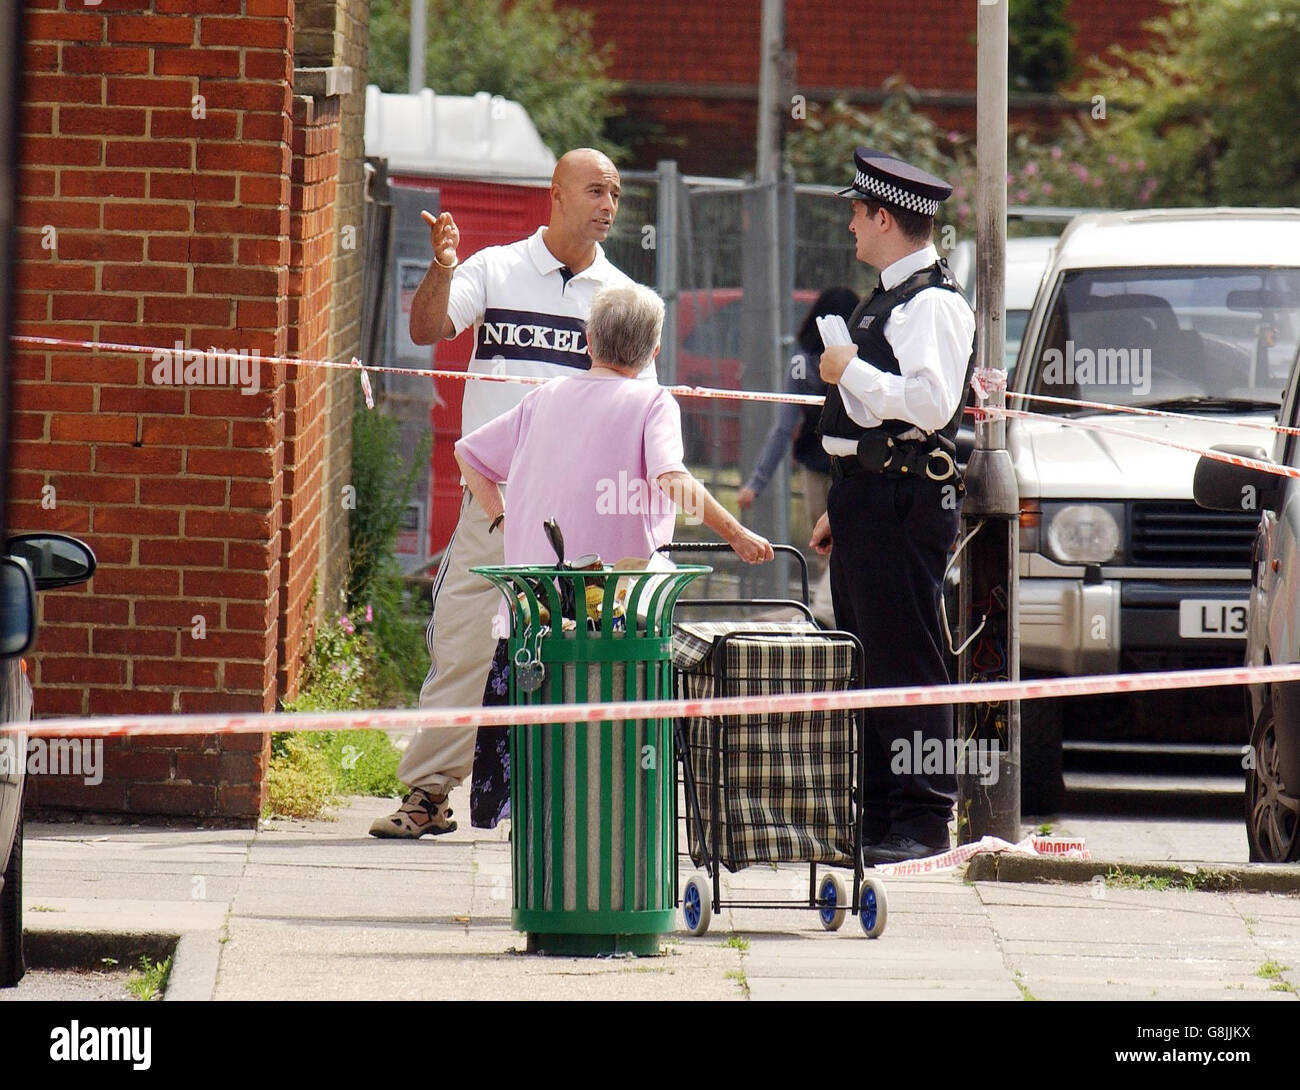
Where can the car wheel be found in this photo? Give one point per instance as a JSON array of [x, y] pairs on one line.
[[1042, 769], [1272, 814], [12, 966]]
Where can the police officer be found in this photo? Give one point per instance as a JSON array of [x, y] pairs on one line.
[[893, 404]]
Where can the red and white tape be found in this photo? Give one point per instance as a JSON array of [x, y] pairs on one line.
[[1089, 425], [511, 715], [1164, 414], [703, 392], [1059, 847]]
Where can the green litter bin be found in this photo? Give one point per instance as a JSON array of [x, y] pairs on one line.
[[594, 840]]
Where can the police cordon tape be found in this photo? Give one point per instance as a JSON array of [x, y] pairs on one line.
[[1064, 847], [1090, 425], [744, 395], [541, 714], [1138, 410]]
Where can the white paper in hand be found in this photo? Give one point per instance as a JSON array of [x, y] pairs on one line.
[[833, 330]]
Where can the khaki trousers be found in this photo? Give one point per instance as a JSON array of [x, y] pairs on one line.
[[461, 646]]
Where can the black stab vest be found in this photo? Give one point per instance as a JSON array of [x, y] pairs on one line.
[[867, 328]]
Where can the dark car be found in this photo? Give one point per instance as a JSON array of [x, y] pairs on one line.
[[1273, 629], [32, 562]]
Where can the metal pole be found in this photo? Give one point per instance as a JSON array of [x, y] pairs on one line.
[[418, 35], [989, 798], [768, 173], [667, 275]]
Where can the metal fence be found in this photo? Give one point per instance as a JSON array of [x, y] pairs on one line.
[[738, 263]]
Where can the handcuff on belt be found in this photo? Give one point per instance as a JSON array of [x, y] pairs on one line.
[[881, 453]]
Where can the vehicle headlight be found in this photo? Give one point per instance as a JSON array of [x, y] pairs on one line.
[[1083, 533]]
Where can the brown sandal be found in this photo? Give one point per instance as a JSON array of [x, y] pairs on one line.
[[420, 813]]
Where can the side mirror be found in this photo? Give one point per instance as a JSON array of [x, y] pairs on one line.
[[1221, 486], [17, 607], [56, 560]]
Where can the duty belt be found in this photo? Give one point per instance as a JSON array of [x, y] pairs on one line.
[[881, 453]]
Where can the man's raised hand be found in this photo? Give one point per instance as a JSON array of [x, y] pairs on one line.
[[444, 236]]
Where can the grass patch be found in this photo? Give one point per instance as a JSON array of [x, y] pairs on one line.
[[1045, 829], [310, 770], [44, 908], [1208, 880], [299, 783], [148, 979], [1117, 878], [1025, 993], [1271, 970], [737, 942], [742, 981]]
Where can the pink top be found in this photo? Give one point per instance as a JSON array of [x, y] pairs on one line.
[[585, 450]]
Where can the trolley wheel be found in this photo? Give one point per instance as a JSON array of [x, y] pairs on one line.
[[873, 906], [697, 904], [834, 901]]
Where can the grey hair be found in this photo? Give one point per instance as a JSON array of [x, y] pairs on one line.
[[623, 327]]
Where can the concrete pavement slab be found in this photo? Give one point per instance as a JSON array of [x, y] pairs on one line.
[[298, 910]]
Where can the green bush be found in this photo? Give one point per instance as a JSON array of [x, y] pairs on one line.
[[383, 481], [299, 783]]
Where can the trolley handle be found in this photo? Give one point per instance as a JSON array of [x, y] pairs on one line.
[[756, 603], [723, 547]]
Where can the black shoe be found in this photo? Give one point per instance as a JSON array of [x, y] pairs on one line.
[[896, 848]]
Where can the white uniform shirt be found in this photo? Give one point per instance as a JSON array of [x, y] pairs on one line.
[[527, 320], [931, 335]]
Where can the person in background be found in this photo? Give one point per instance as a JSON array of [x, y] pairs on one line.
[[798, 424], [560, 452]]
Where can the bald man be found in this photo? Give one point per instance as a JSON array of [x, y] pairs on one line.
[[527, 303]]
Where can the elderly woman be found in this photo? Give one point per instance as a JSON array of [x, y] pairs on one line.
[[601, 452]]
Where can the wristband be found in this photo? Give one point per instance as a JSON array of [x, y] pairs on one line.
[[441, 265], [497, 521]]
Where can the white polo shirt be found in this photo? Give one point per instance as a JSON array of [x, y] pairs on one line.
[[527, 320]]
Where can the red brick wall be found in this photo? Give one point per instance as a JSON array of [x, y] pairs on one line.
[[711, 52], [311, 245], [142, 223]]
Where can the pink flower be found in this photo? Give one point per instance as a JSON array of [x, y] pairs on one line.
[[346, 625], [1140, 165], [370, 615], [1022, 195], [1047, 189], [1056, 153], [1031, 169], [1123, 166], [1112, 159]]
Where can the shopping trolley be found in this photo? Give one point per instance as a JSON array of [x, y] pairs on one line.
[[771, 788]]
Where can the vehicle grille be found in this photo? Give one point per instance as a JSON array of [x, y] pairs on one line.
[[1184, 535]]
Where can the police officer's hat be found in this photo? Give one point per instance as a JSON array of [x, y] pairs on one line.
[[889, 180]]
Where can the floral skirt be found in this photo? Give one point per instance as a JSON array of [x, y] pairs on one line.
[[489, 800]]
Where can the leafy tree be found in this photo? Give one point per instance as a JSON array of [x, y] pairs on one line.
[[524, 50], [1040, 47], [1208, 103]]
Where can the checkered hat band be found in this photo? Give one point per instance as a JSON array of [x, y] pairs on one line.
[[891, 194]]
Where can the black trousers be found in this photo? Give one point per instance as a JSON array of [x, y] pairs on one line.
[[890, 544]]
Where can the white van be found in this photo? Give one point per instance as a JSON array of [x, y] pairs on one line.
[[1193, 311]]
